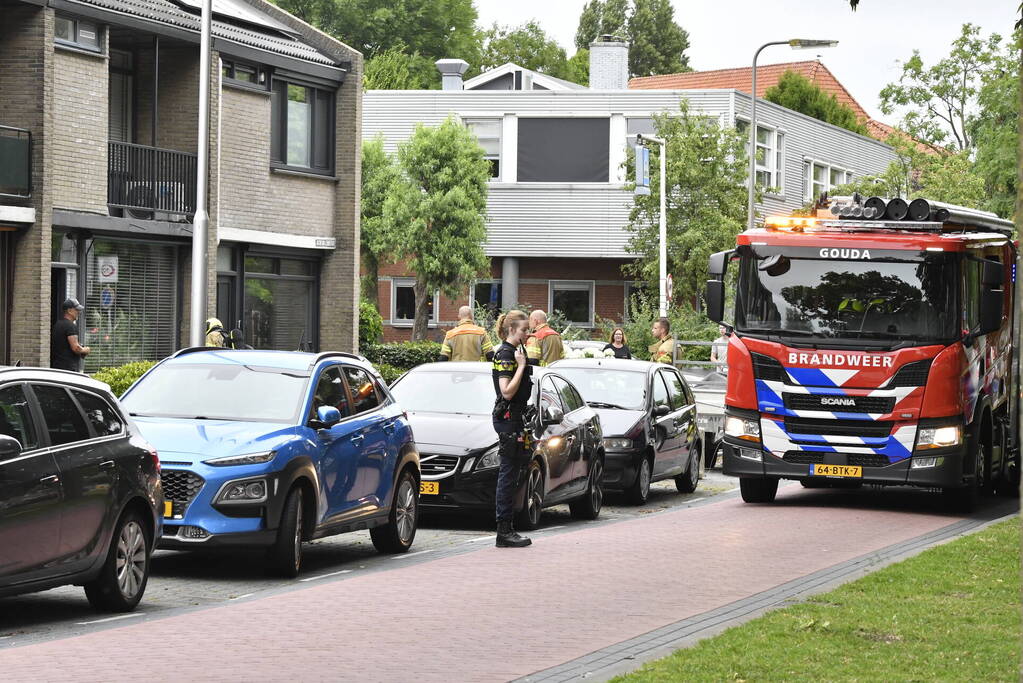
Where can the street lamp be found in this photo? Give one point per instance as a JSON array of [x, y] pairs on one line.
[[662, 276], [795, 44], [201, 221]]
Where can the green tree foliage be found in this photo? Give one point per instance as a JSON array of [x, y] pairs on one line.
[[526, 45], [657, 43], [371, 324], [577, 69], [397, 69], [436, 213], [380, 175], [996, 132], [940, 101], [706, 201], [798, 93]]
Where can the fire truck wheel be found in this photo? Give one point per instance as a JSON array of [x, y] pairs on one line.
[[758, 489]]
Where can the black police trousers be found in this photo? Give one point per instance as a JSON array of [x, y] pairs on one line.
[[512, 451]]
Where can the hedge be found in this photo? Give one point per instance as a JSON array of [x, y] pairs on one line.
[[123, 376], [402, 355]]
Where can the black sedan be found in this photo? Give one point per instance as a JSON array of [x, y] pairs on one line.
[[80, 496], [648, 413], [449, 407]]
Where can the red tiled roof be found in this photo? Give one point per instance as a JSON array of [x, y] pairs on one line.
[[882, 131], [768, 76]]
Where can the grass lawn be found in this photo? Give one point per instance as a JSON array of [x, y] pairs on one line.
[[951, 613]]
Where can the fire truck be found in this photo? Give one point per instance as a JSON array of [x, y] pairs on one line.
[[875, 342]]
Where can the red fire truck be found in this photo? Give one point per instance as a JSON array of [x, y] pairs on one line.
[[872, 344]]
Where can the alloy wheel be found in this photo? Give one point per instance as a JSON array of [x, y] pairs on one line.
[[596, 489], [644, 477], [534, 495], [405, 511], [131, 559], [298, 534]]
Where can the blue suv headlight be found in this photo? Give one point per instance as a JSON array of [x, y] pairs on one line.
[[243, 491], [247, 459]]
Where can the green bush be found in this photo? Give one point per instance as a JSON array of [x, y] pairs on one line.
[[388, 372], [686, 325], [402, 355], [122, 377], [371, 325]]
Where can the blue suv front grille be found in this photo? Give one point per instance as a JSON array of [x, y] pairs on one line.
[[180, 487]]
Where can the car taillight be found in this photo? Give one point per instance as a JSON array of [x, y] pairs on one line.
[[155, 456]]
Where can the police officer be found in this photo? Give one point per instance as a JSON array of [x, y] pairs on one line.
[[467, 341], [513, 385], [661, 350], [544, 344]]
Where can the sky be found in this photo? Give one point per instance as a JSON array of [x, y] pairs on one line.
[[725, 33]]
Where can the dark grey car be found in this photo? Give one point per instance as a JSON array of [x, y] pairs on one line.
[[648, 415], [80, 495]]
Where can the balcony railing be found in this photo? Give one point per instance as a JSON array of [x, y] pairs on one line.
[[149, 182], [15, 162]]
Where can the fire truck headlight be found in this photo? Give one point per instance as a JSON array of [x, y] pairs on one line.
[[939, 437], [742, 427]]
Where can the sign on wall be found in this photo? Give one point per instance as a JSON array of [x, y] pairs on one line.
[[107, 268]]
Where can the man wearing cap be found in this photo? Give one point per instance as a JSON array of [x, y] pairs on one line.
[[467, 341], [65, 351]]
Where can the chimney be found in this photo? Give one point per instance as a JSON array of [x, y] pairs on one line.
[[609, 64], [451, 71]]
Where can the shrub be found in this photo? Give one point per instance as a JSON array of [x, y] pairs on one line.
[[121, 377], [686, 325], [371, 325], [388, 372], [402, 355]]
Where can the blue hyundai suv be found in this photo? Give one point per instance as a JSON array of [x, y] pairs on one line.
[[272, 448]]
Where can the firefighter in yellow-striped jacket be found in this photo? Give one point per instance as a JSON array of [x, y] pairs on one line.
[[467, 340]]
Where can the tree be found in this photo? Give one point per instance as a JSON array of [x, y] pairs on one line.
[[941, 100], [526, 45], [589, 24], [379, 178], [396, 69], [436, 213], [657, 43], [706, 200], [798, 93], [577, 68], [996, 132]]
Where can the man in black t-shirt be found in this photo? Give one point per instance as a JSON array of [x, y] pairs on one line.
[[65, 351]]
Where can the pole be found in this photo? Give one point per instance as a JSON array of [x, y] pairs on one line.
[[753, 132], [202, 218], [663, 234]]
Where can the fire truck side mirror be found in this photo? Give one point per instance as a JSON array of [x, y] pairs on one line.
[[715, 297], [992, 301], [717, 264]]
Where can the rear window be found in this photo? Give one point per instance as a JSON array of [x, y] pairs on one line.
[[468, 393]]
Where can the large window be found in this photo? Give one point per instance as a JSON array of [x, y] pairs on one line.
[[574, 300], [302, 127], [486, 295], [822, 177], [488, 132], [280, 303], [770, 156], [403, 303], [564, 150]]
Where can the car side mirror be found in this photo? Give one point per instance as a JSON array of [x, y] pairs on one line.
[[660, 410], [552, 415], [992, 302], [9, 447], [326, 417]]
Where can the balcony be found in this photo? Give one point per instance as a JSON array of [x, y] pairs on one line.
[[151, 183], [15, 163]]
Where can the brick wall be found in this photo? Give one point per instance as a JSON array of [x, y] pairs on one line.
[[26, 81], [80, 100], [254, 198], [178, 101]]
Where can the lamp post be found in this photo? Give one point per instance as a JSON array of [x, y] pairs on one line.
[[662, 275], [795, 44], [200, 225]]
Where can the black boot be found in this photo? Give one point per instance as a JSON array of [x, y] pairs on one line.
[[507, 537]]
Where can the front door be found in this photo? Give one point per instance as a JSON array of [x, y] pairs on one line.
[[377, 455], [338, 451], [559, 441], [30, 496], [665, 428], [683, 412]]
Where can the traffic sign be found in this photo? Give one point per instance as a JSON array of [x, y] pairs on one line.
[[107, 297], [642, 171]]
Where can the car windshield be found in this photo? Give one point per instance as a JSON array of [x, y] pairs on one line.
[[469, 393], [603, 387], [219, 392], [881, 299]]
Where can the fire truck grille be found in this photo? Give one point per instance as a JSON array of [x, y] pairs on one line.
[[863, 428], [911, 374], [765, 367], [861, 459], [859, 404]]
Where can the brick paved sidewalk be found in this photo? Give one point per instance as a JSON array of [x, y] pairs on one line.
[[489, 615]]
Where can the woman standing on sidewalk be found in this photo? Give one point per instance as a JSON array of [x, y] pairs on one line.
[[513, 385]]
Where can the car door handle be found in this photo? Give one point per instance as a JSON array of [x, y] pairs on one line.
[[52, 479], [389, 427], [357, 439], [107, 464]]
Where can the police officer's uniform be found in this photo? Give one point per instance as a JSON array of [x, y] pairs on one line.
[[509, 423], [467, 341], [544, 346]]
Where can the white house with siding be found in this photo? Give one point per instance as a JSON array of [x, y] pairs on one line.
[[558, 206]]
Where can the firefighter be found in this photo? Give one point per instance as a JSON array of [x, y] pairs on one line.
[[661, 350], [216, 335], [467, 341], [544, 344]]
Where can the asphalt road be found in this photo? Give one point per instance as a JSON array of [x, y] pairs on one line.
[[198, 579]]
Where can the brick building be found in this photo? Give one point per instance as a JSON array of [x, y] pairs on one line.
[[557, 207], [98, 142]]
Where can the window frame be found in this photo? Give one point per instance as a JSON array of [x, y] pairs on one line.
[[76, 43], [344, 369], [44, 427], [577, 286], [243, 274], [263, 74], [499, 121], [808, 167], [669, 376], [657, 377], [775, 153], [75, 390], [409, 322], [34, 420], [279, 125]]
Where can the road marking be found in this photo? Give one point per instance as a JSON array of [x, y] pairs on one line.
[[103, 621], [321, 576], [552, 528], [696, 499], [421, 552], [247, 595], [481, 538]]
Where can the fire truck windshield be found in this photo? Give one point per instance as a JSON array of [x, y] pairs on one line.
[[856, 299]]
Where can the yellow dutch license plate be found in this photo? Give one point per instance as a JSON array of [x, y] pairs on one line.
[[836, 470], [168, 508], [429, 488]]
